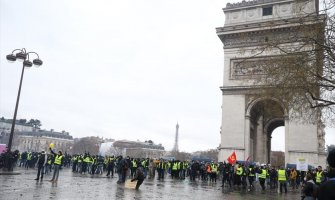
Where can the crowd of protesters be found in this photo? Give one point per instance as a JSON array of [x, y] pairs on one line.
[[236, 176]]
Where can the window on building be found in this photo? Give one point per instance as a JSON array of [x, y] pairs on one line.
[[267, 11]]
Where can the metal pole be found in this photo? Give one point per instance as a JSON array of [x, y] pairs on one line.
[[15, 112]]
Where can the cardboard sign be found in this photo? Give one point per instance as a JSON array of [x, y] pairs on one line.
[[302, 164], [129, 184]]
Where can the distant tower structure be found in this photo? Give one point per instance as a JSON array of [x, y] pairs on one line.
[[175, 148]]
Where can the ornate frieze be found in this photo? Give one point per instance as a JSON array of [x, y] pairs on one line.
[[256, 38]]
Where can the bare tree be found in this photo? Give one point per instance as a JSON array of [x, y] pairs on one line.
[[87, 145], [301, 69]]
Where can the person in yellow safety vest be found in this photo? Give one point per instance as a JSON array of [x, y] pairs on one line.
[[85, 162], [28, 163], [74, 163], [251, 177], [214, 171], [174, 169], [238, 175], [20, 159], [80, 164], [133, 168], [94, 161], [48, 165], [262, 176], [183, 169], [282, 179], [89, 165], [57, 165], [169, 167], [145, 166], [244, 177], [318, 176], [110, 166], [161, 167]]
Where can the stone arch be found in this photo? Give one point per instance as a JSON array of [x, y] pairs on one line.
[[257, 100], [264, 114]]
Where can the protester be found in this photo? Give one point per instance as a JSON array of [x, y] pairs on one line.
[[327, 189], [57, 165], [139, 176], [41, 162], [310, 189]]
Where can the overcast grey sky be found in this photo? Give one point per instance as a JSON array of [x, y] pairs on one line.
[[125, 69]]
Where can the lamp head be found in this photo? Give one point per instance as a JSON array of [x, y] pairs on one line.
[[27, 63], [21, 55], [37, 62], [11, 57]]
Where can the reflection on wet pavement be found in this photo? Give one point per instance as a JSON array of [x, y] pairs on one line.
[[76, 186]]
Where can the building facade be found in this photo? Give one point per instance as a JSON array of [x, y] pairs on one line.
[[245, 128], [6, 125], [40, 140], [28, 138], [136, 149]]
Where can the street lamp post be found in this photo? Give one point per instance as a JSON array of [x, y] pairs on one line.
[[21, 55]]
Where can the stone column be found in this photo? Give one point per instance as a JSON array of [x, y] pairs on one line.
[[259, 141], [287, 133], [247, 137]]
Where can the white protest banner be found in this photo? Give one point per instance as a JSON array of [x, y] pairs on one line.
[[302, 164]]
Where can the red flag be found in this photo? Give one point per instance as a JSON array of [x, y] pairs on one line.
[[232, 158]]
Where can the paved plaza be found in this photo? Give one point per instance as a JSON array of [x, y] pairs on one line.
[[76, 186]]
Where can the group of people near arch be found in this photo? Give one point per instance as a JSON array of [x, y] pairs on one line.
[[314, 184]]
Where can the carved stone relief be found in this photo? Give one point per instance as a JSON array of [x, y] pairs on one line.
[[251, 13], [240, 69], [321, 136], [285, 9], [235, 15]]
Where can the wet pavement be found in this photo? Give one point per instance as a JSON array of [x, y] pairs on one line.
[[76, 186]]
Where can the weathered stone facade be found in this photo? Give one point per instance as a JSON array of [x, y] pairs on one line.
[[41, 139], [245, 129]]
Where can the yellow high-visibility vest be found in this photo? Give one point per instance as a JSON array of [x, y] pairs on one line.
[[263, 174], [250, 170], [318, 177], [239, 171], [281, 175], [58, 160]]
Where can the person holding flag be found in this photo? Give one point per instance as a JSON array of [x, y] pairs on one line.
[[57, 163]]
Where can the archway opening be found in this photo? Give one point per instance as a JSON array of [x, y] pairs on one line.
[[278, 146], [265, 116], [278, 139]]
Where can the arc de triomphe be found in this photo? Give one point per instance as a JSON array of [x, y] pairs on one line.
[[245, 129]]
